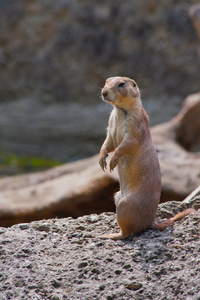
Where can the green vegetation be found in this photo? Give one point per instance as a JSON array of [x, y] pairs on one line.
[[12, 164]]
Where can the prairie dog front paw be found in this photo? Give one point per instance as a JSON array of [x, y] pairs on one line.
[[113, 162], [102, 160]]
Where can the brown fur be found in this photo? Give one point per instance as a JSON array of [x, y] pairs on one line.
[[128, 135]]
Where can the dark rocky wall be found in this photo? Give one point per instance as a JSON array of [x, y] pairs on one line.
[[55, 56]]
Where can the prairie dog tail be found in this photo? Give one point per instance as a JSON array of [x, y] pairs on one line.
[[161, 226]]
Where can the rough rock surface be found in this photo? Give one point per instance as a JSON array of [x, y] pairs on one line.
[[56, 55], [66, 259]]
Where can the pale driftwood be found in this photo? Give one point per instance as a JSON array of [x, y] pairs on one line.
[[191, 196], [70, 190], [180, 168], [82, 187], [194, 14]]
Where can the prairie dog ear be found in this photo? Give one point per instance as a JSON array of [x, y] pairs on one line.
[[133, 82]]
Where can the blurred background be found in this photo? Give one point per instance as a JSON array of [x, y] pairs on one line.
[[55, 57]]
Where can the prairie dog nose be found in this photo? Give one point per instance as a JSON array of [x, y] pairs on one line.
[[104, 93]]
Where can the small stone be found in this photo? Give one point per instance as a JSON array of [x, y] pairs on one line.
[[93, 219], [111, 297], [32, 286], [80, 227], [102, 287], [95, 270], [29, 266], [43, 227], [2, 230], [134, 285], [99, 244], [118, 272], [80, 281], [6, 241], [19, 283], [26, 250], [79, 242], [72, 235], [69, 289], [55, 283], [55, 297], [127, 266], [2, 251], [82, 265], [109, 259]]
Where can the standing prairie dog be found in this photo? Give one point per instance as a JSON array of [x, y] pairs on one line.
[[129, 138]]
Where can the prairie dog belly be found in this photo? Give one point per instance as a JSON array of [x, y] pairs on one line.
[[136, 170]]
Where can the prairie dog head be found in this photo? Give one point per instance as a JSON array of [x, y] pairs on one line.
[[122, 92]]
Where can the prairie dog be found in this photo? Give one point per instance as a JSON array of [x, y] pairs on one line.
[[129, 138]]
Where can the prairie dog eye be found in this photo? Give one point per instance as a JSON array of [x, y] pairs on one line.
[[121, 84]]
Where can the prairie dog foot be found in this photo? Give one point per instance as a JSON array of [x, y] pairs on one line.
[[116, 236], [117, 197]]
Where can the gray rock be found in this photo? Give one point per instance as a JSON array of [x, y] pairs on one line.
[[36, 264]]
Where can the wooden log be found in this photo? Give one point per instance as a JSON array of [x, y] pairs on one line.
[[82, 187]]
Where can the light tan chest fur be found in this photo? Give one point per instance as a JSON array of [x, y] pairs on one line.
[[117, 127]]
